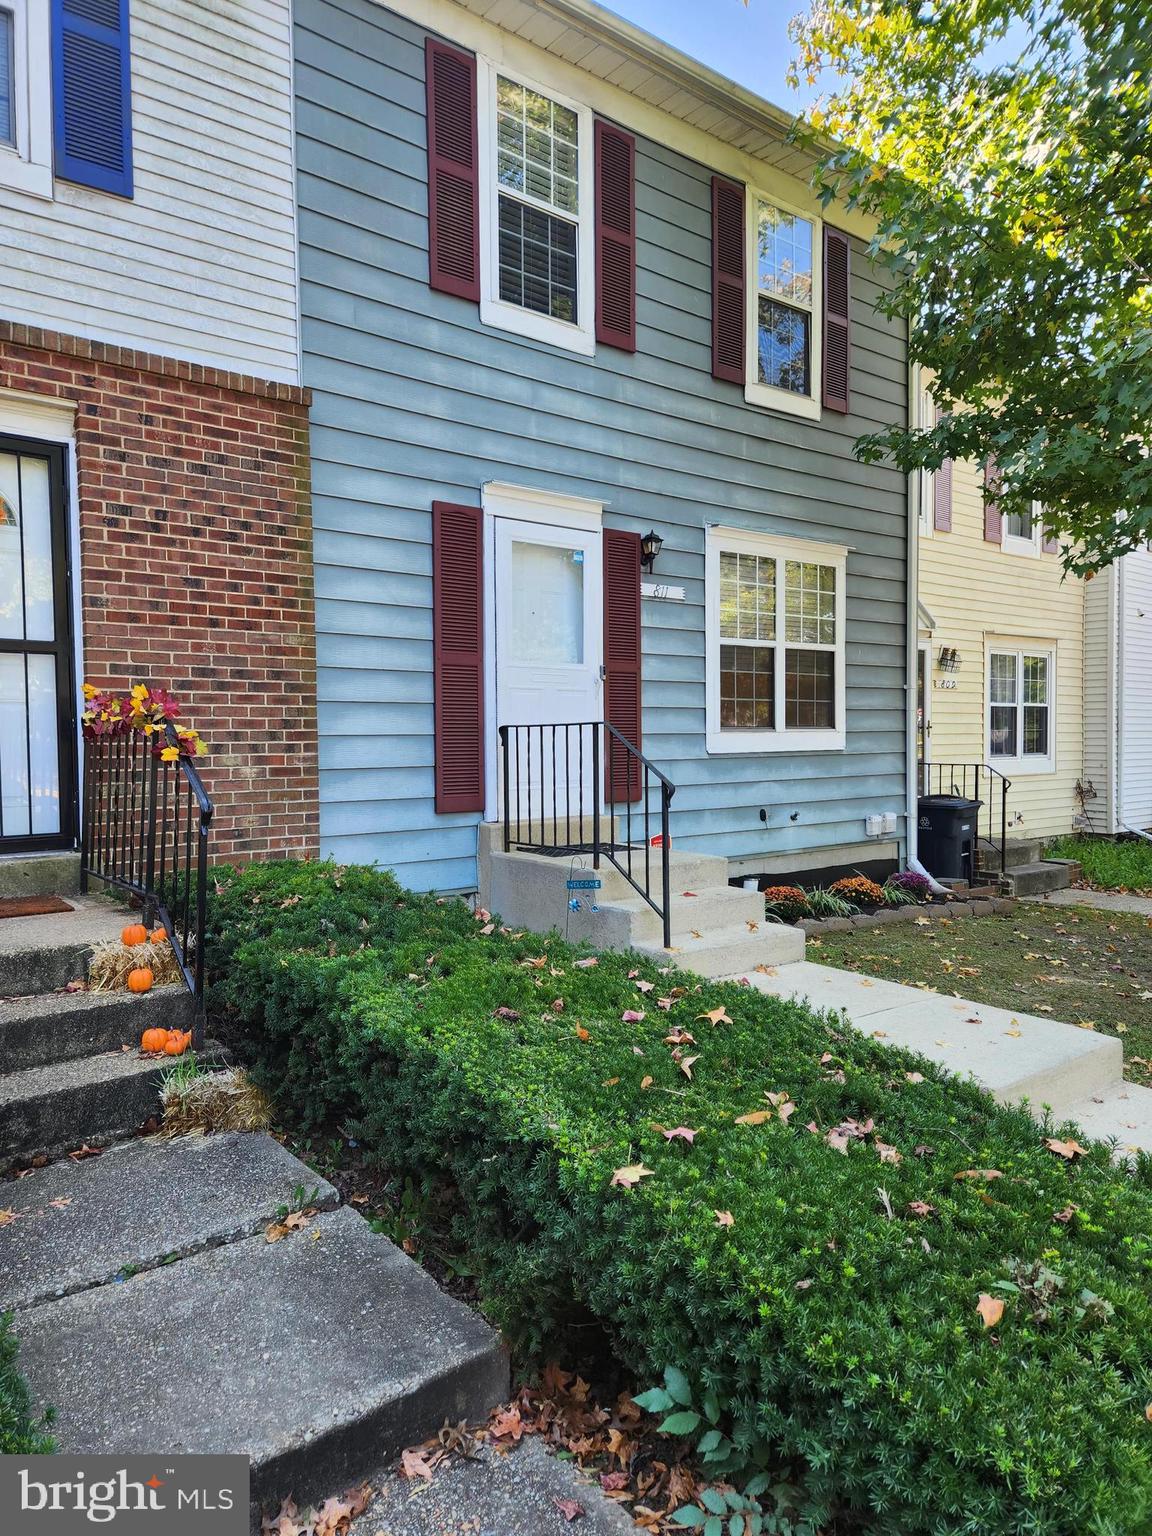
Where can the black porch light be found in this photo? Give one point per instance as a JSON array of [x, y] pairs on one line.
[[650, 546]]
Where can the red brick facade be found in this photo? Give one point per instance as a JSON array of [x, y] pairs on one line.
[[196, 564]]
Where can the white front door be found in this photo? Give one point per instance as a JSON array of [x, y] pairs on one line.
[[547, 601]]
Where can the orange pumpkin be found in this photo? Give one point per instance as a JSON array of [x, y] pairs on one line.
[[177, 1043], [158, 936], [140, 980], [135, 933], [153, 1039]]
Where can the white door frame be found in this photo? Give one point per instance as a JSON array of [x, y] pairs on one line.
[[522, 504]]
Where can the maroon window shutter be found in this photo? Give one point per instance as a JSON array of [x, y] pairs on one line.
[[1051, 544], [615, 237], [837, 320], [453, 179], [458, 655], [942, 498], [727, 280], [622, 662], [993, 522]]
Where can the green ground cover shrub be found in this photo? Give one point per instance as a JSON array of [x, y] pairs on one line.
[[1111, 866], [19, 1434], [620, 1138]]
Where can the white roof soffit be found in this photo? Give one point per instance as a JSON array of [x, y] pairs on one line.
[[597, 40]]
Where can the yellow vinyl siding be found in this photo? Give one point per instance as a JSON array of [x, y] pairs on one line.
[[982, 598]]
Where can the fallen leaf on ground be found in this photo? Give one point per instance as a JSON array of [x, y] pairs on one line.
[[7, 1216], [1067, 1149], [716, 1015], [979, 1173], [583, 965], [1064, 1216], [569, 1508], [914, 1077], [646, 1082], [506, 1013], [415, 1463], [507, 1424], [630, 1176], [632, 1016], [724, 1218], [990, 1308], [754, 1117], [582, 1033], [680, 1133], [275, 1230], [645, 986], [921, 1208], [687, 1064]]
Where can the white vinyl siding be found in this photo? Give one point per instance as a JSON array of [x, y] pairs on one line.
[[201, 264]]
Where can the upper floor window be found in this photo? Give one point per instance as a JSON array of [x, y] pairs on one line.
[[25, 100], [775, 643], [1020, 532], [784, 332], [536, 194]]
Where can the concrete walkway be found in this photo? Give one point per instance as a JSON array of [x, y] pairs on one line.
[[1075, 1072], [1102, 901]]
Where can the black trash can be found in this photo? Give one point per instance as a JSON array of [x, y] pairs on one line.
[[947, 835]]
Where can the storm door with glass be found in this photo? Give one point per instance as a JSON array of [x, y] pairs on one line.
[[37, 708]]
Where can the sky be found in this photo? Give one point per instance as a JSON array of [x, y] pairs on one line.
[[748, 43]]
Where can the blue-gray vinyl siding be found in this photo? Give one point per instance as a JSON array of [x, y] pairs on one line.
[[416, 401]]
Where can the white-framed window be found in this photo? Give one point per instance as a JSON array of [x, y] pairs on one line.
[[1021, 708], [25, 97], [784, 296], [775, 643], [1020, 532], [536, 244]]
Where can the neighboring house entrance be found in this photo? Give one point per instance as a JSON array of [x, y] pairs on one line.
[[547, 606], [37, 703]]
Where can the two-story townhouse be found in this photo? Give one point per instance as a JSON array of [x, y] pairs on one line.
[[1000, 674], [154, 516], [588, 358]]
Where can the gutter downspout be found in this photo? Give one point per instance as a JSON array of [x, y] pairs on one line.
[[912, 641]]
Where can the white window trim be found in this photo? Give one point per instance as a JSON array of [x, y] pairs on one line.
[[494, 311], [1013, 544], [756, 393], [780, 739], [1033, 763], [28, 167]]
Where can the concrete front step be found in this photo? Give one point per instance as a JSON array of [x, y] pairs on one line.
[[61, 1026], [96, 1099], [627, 923], [1017, 850], [733, 951], [1122, 1112], [39, 874], [143, 1203], [39, 954], [1035, 879], [1014, 1055], [318, 1357]]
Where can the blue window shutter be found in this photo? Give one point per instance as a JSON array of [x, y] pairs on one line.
[[92, 94]]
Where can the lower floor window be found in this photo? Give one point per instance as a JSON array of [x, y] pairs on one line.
[[775, 643], [1020, 688]]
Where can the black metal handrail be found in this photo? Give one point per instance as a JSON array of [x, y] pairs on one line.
[[145, 830], [563, 784], [974, 781]]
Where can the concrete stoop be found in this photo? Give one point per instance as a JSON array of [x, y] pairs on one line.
[[154, 1314], [1076, 1074], [717, 929], [1025, 870]]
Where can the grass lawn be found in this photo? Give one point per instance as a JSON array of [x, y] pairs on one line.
[[1080, 966], [1109, 866]]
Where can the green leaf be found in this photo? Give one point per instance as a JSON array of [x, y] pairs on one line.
[[678, 1385], [714, 1526], [709, 1442], [710, 1406], [757, 1485], [736, 1526], [713, 1501], [690, 1517], [656, 1400], [682, 1423]]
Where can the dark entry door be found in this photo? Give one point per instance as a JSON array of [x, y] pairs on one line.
[[37, 696]]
